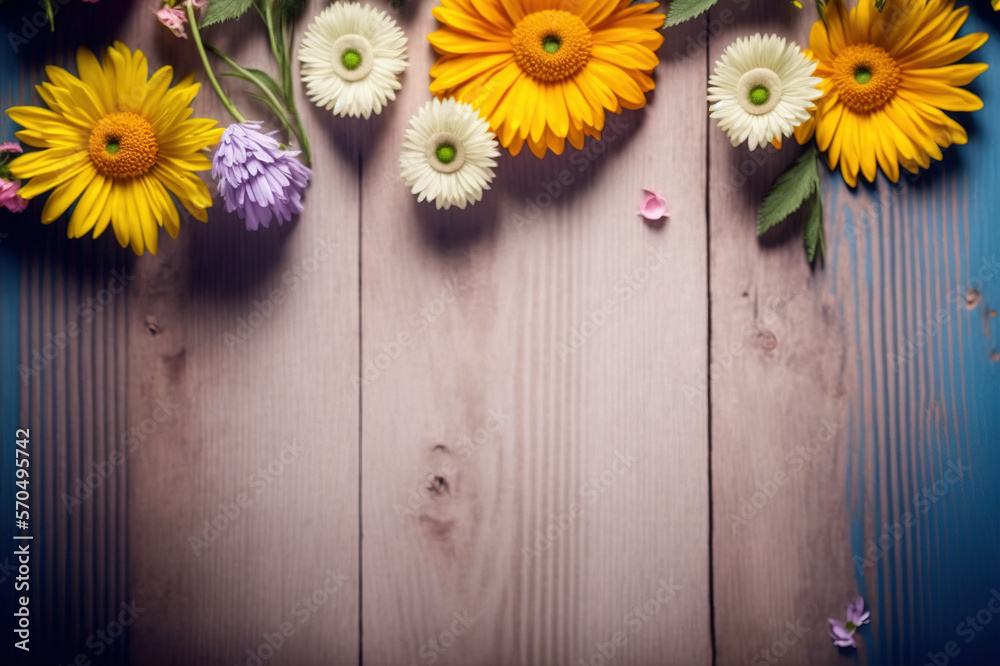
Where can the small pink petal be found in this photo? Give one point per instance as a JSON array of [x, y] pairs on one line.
[[653, 206], [11, 147]]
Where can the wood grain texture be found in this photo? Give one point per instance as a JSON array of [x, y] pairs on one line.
[[881, 343], [514, 405], [510, 353], [920, 258], [779, 400], [250, 338], [64, 318]]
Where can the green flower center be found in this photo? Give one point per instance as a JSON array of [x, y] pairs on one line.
[[551, 43], [446, 153], [759, 95], [351, 59], [862, 75], [112, 146], [850, 626]]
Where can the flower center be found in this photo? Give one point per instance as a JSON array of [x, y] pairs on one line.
[[351, 58], [759, 94], [866, 77], [446, 153], [551, 45], [122, 145], [759, 91]]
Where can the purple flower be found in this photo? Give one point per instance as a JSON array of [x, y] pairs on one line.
[[842, 633], [856, 613], [257, 178]]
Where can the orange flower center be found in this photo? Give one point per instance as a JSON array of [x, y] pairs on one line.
[[122, 145], [551, 45], [866, 77]]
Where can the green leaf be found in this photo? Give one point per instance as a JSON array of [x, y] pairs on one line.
[[258, 78], [685, 10], [879, 5], [275, 110], [224, 10], [821, 8], [789, 191], [289, 8], [815, 237]]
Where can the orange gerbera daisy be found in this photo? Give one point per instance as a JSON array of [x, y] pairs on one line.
[[543, 71], [887, 80]]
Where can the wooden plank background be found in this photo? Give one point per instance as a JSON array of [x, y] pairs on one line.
[[494, 436]]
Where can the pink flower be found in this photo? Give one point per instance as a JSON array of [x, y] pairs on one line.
[[11, 147], [856, 613], [174, 18], [9, 198], [91, 0], [653, 207], [842, 633]]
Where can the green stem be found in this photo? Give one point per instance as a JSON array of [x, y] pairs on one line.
[[301, 134], [269, 22], [208, 67], [250, 77], [290, 96]]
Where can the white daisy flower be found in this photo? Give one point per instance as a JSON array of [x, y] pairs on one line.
[[762, 89], [351, 58], [448, 154]]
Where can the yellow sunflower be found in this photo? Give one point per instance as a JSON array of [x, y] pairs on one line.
[[121, 141], [887, 80], [543, 71]]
